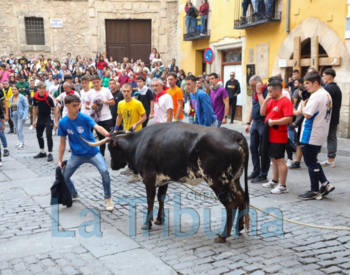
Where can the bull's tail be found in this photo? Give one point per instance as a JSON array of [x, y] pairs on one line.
[[246, 190]]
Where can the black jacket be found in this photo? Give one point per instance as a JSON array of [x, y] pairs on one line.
[[59, 189]]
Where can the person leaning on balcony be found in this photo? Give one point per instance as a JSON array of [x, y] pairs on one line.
[[190, 18], [204, 10]]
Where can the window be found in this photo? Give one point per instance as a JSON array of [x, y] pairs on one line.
[[34, 31]]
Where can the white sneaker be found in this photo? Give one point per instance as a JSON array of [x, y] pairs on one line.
[[0, 164], [31, 127], [21, 146], [18, 144], [289, 163], [279, 189], [326, 163], [270, 184], [109, 205]]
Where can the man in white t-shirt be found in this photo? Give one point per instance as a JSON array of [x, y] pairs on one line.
[[163, 103], [98, 101], [53, 87], [314, 131], [68, 90], [85, 81]]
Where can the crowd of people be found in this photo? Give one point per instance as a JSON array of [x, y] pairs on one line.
[[300, 117], [105, 96]]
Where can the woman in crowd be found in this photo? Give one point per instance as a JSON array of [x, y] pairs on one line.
[[156, 58], [12, 80], [152, 55], [77, 85], [19, 114], [101, 65]]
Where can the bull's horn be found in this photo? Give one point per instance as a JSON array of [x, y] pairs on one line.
[[95, 144]]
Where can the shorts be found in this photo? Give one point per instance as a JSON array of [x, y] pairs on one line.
[[277, 150]]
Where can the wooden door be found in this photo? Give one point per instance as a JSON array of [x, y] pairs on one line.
[[129, 38]]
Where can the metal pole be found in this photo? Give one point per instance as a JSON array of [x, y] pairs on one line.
[[288, 17]]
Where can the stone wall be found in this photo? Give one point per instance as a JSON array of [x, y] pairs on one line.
[[83, 29]]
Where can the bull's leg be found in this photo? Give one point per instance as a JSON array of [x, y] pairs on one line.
[[151, 193], [161, 191], [240, 199], [225, 197]]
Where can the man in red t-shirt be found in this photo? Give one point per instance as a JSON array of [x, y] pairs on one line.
[[279, 113]]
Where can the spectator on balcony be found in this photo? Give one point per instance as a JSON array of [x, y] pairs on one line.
[[269, 4], [191, 18], [204, 10]]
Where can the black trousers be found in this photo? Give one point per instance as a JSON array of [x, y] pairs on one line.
[[11, 123], [107, 125], [233, 103], [40, 127]]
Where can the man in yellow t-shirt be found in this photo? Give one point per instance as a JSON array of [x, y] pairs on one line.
[[133, 114], [178, 97]]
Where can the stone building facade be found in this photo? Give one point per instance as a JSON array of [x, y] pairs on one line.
[[83, 28]]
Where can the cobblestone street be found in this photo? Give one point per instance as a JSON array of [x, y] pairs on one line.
[[27, 219]]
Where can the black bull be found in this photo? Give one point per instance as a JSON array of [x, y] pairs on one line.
[[187, 153]]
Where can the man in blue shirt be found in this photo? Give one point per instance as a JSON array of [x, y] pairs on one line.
[[201, 104], [74, 125], [261, 166]]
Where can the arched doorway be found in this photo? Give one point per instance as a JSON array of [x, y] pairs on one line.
[[331, 52]]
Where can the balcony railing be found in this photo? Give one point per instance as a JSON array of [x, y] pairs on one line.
[[256, 15], [257, 19], [197, 33]]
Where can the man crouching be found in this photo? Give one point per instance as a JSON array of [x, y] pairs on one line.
[[74, 125]]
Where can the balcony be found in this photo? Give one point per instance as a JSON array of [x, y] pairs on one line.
[[257, 15], [197, 33]]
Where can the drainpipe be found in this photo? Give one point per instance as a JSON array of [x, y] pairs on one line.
[[288, 17]]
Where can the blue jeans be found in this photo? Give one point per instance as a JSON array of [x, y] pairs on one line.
[[261, 166], [269, 5], [245, 5], [219, 123], [191, 119], [19, 124], [214, 124], [3, 137], [316, 173], [204, 19], [100, 73], [98, 161], [188, 24]]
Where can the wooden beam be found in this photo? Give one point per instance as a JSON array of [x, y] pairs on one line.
[[324, 61], [314, 52], [297, 54]]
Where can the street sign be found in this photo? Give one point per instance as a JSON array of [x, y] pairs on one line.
[[208, 55]]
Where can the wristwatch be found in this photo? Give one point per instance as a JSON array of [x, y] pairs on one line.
[[225, 116], [248, 123]]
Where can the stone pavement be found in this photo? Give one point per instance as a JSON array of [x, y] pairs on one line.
[[27, 244]]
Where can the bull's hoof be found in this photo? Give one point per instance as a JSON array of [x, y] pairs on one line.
[[158, 222], [146, 227], [220, 239]]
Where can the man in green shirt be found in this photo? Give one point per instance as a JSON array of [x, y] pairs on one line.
[[22, 87]]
